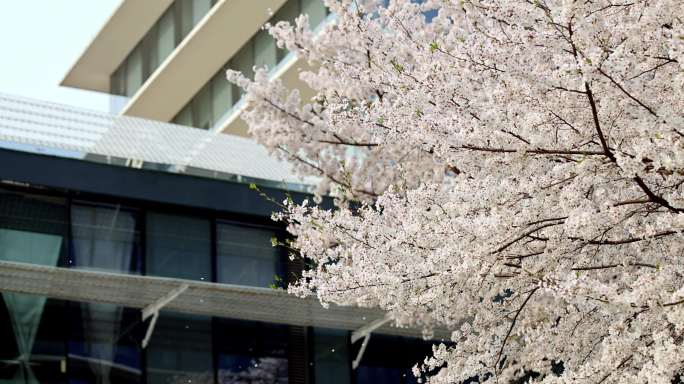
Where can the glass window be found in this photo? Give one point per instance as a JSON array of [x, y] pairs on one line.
[[251, 352], [222, 95], [178, 246], [134, 71], [331, 356], [243, 60], [32, 228], [184, 117], [316, 11], [180, 350], [166, 36], [265, 50], [288, 12], [105, 238], [382, 364], [116, 82], [149, 51], [245, 255], [199, 9], [102, 348], [184, 17], [32, 348], [202, 108]]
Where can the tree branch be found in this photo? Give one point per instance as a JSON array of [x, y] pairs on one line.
[[510, 329]]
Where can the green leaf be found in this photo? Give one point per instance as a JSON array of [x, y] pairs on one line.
[[398, 67], [433, 47]]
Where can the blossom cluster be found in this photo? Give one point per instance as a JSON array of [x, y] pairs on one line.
[[512, 170]]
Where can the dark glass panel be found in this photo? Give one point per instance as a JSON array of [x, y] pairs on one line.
[[105, 238], [180, 350], [184, 16], [221, 95], [117, 86], [389, 359], [178, 246], [32, 349], [134, 70], [199, 9], [243, 60], [265, 50], [202, 108], [316, 10], [245, 255], [184, 117], [103, 347], [251, 352], [32, 228], [332, 364], [166, 36]]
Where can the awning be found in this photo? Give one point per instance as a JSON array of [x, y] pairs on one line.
[[212, 299]]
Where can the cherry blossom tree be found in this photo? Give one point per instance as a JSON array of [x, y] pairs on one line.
[[512, 170]]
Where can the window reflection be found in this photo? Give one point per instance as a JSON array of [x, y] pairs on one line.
[[251, 352], [389, 359], [32, 228], [105, 238], [331, 356], [180, 350], [178, 246], [102, 346], [245, 255], [32, 348]]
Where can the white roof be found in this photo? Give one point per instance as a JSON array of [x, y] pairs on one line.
[[65, 131]]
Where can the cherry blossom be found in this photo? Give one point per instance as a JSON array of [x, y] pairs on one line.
[[511, 170]]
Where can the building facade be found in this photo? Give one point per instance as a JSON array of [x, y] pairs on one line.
[[133, 246], [143, 264], [166, 61]]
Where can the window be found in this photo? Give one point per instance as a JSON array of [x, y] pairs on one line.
[[261, 50], [101, 346], [105, 238], [199, 9], [134, 71], [202, 117], [185, 16], [383, 364], [32, 348], [157, 44], [166, 37], [265, 50], [243, 60], [331, 356], [251, 352], [221, 95], [184, 117], [117, 81], [178, 246], [33, 228], [180, 350], [245, 256], [316, 10]]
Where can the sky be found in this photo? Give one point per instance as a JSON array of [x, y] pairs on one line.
[[40, 41]]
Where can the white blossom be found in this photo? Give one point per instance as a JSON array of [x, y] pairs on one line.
[[511, 170]]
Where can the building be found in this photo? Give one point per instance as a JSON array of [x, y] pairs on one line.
[[132, 246], [165, 60]]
